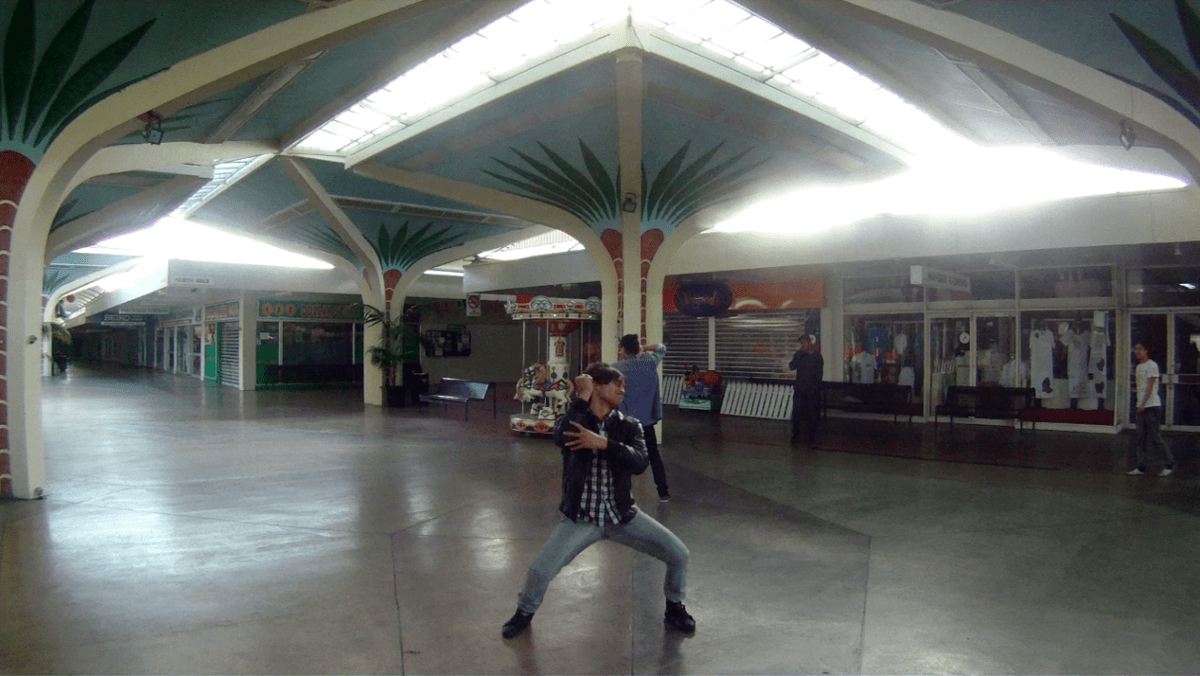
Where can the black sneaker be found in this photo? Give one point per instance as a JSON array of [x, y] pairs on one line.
[[517, 624], [664, 497], [677, 617]]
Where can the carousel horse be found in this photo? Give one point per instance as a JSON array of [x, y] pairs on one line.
[[539, 382]]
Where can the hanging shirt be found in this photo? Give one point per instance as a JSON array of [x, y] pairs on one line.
[[1078, 348], [1041, 362]]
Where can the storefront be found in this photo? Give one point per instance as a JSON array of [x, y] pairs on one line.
[[308, 343], [1066, 331]]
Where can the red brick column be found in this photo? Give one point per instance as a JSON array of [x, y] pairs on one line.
[[15, 170]]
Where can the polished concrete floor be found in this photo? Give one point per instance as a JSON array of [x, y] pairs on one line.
[[199, 530]]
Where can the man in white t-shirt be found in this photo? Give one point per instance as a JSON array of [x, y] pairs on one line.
[[1149, 414]]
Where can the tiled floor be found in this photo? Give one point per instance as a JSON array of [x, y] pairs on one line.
[[200, 530]]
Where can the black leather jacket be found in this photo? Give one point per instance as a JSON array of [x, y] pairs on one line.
[[626, 454]]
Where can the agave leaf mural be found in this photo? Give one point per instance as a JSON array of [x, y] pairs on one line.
[[42, 95], [678, 190], [1182, 78]]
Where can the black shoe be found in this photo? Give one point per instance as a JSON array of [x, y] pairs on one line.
[[677, 617], [664, 496], [517, 624]]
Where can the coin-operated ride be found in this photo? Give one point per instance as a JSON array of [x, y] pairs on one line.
[[545, 387]]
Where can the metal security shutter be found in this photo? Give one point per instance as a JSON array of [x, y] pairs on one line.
[[687, 344], [758, 344], [231, 363]]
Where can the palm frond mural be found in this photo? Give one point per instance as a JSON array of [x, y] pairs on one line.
[[42, 95], [591, 197], [400, 249], [52, 279], [322, 238], [677, 191], [1181, 77]]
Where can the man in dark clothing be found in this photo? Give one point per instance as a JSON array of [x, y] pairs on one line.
[[809, 366], [643, 400], [602, 450]]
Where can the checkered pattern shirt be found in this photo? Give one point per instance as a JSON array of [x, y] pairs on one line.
[[598, 505]]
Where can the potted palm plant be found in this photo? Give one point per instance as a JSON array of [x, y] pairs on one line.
[[391, 352]]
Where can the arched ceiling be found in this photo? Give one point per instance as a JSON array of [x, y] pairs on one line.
[[690, 106]]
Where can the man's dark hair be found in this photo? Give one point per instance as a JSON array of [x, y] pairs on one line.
[[602, 374], [631, 344]]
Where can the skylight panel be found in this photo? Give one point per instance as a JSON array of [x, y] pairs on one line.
[[746, 35], [777, 52], [664, 12], [713, 18]]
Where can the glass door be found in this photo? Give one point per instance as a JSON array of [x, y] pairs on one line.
[[1152, 331], [1184, 384], [951, 356]]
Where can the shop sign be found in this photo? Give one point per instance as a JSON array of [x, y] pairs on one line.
[[143, 311], [543, 307], [118, 319], [192, 281], [293, 310], [222, 311], [709, 299], [923, 275]]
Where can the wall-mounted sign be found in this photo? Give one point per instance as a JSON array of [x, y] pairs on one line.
[[543, 307], [474, 305], [117, 319], [923, 275], [222, 311], [293, 310], [144, 311], [192, 281]]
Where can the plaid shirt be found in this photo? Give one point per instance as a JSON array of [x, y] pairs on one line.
[[598, 506]]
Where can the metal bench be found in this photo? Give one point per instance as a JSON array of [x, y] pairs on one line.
[[987, 401], [458, 391], [869, 398]]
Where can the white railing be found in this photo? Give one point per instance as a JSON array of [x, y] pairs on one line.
[[757, 400], [672, 389]]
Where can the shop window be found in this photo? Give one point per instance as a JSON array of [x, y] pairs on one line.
[[1089, 282], [317, 343], [884, 349], [1067, 358], [1164, 287]]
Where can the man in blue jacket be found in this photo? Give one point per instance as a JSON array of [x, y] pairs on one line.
[[602, 450], [643, 399]]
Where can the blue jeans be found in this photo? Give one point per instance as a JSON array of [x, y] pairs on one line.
[[569, 538], [1149, 439]]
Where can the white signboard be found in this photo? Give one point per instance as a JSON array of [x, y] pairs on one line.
[[922, 275], [192, 281]]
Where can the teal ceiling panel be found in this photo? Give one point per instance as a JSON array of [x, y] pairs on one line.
[[251, 200], [401, 240], [558, 111], [341, 183]]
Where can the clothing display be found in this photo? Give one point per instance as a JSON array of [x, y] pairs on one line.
[[1041, 362], [1078, 349], [1098, 361]]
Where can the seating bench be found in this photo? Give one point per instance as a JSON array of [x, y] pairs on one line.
[[869, 398], [458, 391], [987, 401]]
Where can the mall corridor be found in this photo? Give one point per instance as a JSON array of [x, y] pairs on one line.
[[199, 530]]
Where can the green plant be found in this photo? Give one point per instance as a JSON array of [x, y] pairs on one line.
[[1181, 78], [388, 355]]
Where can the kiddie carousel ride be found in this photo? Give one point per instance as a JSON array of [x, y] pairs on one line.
[[546, 385]]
